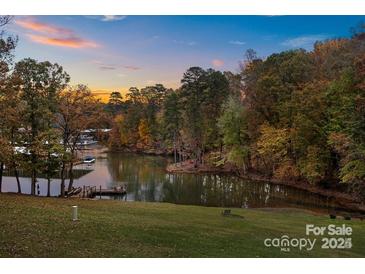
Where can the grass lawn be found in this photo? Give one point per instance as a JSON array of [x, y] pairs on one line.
[[42, 227]]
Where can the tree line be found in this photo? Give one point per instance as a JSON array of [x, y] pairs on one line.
[[295, 115], [42, 117]]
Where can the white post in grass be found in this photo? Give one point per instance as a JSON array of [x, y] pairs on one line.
[[74, 213]]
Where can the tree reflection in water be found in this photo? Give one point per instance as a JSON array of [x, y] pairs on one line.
[[146, 180]]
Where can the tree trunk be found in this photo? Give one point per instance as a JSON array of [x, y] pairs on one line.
[[48, 187], [175, 148], [249, 164], [63, 179], [34, 173], [17, 180], [34, 180], [33, 155], [34, 149], [201, 161], [70, 184], [1, 175]]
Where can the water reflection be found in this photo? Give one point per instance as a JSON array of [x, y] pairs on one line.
[[146, 180], [143, 175], [229, 191]]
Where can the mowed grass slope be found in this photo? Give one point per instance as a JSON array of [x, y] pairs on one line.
[[42, 227]]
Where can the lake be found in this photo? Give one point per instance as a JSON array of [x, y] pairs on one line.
[[146, 180]]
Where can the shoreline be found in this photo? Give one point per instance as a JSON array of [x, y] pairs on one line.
[[152, 151], [342, 199]]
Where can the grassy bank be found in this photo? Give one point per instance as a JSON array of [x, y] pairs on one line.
[[42, 227]]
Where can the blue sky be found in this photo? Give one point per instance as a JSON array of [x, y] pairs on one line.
[[116, 52]]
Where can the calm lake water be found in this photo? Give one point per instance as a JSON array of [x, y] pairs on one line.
[[146, 180]]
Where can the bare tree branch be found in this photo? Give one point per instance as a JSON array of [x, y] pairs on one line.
[[5, 19]]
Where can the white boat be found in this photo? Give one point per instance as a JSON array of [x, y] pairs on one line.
[[86, 142], [89, 160]]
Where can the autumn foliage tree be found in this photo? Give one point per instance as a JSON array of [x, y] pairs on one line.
[[7, 46], [40, 84], [78, 110]]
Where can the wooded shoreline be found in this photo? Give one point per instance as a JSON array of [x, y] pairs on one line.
[[296, 116], [344, 200]]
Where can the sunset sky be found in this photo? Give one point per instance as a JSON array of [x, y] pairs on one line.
[[116, 52]]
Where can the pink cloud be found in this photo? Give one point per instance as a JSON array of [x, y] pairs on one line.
[[42, 27], [47, 34], [217, 63], [69, 42], [132, 67], [108, 66]]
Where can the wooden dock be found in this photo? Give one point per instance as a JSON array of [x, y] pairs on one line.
[[109, 192], [93, 191]]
